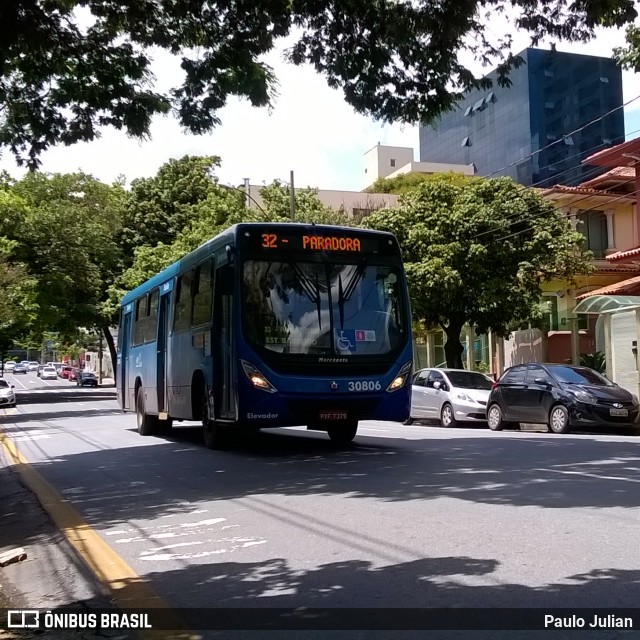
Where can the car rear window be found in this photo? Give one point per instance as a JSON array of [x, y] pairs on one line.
[[514, 375], [469, 380]]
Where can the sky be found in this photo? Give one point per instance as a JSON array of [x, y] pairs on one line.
[[310, 130]]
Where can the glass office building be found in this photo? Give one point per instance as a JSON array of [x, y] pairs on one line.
[[540, 128]]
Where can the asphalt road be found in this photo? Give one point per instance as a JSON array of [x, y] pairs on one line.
[[409, 516]]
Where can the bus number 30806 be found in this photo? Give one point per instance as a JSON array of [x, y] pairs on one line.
[[365, 385]]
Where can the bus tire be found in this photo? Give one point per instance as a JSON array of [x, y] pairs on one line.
[[147, 424], [216, 436], [344, 432], [165, 426]]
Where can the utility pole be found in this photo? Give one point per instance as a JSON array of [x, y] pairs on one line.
[[99, 356], [247, 193], [293, 199]]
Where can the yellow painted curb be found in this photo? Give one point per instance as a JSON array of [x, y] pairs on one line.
[[127, 588]]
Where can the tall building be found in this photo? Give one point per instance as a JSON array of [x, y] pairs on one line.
[[540, 128]]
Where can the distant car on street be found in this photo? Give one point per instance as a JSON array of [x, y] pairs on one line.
[[64, 371], [73, 374], [33, 365], [7, 395], [49, 373], [20, 368], [87, 379], [9, 365]]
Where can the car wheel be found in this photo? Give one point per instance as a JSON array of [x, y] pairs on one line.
[[494, 418], [447, 416], [147, 424], [559, 419]]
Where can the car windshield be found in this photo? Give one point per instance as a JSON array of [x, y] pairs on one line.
[[469, 380], [4, 384], [579, 375], [323, 308]]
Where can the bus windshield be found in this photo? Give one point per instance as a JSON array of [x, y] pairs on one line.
[[322, 308]]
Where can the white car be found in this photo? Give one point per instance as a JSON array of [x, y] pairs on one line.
[[49, 373], [9, 365], [33, 365], [7, 395], [450, 396]]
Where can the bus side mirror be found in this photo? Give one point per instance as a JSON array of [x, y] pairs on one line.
[[229, 251]]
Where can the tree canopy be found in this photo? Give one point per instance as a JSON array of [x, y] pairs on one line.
[[71, 67], [477, 252]]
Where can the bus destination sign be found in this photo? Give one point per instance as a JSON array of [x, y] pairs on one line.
[[312, 242]]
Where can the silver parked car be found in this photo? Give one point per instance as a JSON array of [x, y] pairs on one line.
[[7, 395], [450, 396]]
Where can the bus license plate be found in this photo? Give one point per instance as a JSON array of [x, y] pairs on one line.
[[618, 412], [333, 415]]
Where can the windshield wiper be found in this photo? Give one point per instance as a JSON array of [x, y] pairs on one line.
[[344, 294]]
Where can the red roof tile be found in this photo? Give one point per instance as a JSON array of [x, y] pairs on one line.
[[630, 287], [623, 255]]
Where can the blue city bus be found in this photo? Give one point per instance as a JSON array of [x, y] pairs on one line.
[[270, 325]]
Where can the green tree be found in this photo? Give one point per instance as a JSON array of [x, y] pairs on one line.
[[68, 240], [159, 208], [72, 67], [307, 206], [477, 253], [410, 181]]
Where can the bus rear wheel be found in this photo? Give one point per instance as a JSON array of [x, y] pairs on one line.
[[215, 435], [147, 424], [344, 432]]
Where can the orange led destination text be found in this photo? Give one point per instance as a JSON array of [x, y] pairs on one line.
[[330, 243]]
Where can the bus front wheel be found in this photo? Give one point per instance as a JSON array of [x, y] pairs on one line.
[[147, 424], [344, 432]]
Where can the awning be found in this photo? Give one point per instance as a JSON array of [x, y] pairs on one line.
[[607, 304]]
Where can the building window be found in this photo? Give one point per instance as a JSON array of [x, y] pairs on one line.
[[593, 226], [549, 105], [604, 80], [393, 162], [568, 140], [479, 105], [468, 111], [490, 98], [548, 73], [465, 142]]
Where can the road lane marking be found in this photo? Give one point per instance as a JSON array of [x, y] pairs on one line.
[[129, 590]]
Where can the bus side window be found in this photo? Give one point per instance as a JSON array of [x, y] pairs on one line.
[[139, 321], [202, 295], [182, 314], [151, 327]]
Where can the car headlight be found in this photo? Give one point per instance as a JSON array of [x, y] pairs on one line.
[[464, 396], [635, 398], [400, 380], [584, 396]]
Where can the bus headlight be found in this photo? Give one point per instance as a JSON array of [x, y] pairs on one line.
[[257, 379], [401, 379]]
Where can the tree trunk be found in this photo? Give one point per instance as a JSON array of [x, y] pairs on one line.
[[452, 347], [112, 349]]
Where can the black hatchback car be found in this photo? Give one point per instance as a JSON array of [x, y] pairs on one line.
[[87, 379], [560, 396]]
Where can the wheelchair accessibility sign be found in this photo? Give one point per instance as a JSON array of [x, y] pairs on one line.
[[346, 341]]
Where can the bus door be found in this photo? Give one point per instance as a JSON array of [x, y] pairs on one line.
[[224, 378], [123, 357], [163, 337]]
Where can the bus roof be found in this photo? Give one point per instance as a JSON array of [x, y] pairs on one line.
[[223, 238]]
